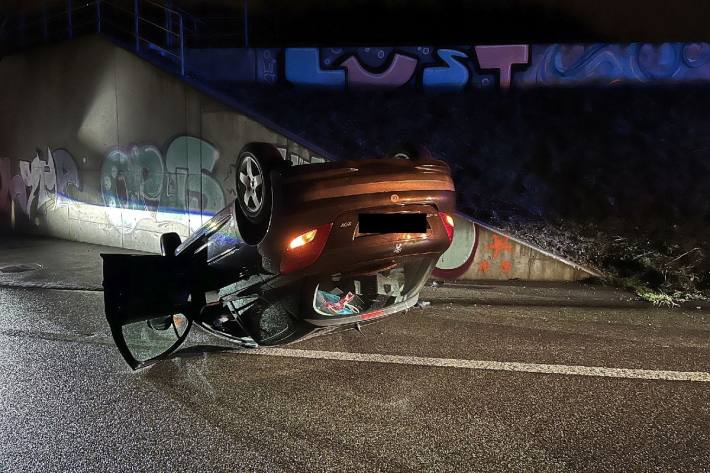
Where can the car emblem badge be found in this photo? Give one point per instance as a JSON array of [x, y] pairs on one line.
[[397, 248], [394, 198]]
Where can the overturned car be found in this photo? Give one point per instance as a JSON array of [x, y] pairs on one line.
[[301, 250]]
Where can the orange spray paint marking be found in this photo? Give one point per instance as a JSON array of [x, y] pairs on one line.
[[484, 266], [499, 245], [506, 266]]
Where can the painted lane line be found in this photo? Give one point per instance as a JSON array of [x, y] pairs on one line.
[[573, 370]]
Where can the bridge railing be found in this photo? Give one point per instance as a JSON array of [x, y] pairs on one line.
[[148, 27]]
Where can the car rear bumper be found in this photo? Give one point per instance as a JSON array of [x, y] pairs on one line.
[[346, 248]]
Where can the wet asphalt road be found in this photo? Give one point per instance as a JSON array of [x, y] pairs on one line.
[[69, 403]]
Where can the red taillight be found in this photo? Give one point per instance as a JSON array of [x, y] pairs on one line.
[[305, 249], [448, 222]]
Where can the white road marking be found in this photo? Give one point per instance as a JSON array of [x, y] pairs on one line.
[[628, 373]]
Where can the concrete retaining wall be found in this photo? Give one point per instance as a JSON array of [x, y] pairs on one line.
[[97, 145], [481, 252]]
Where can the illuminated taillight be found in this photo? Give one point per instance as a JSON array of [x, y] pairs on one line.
[[448, 222], [305, 249], [303, 239]]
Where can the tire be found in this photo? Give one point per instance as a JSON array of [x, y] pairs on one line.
[[254, 196], [169, 243], [412, 152]]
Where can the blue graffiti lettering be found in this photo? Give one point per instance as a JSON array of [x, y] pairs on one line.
[[454, 76], [303, 68]]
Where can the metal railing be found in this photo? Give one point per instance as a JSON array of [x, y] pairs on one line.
[[147, 26]]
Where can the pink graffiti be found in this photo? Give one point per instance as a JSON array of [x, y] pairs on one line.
[[46, 180], [399, 72], [502, 58]]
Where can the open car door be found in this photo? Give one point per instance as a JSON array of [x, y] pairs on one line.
[[148, 304]]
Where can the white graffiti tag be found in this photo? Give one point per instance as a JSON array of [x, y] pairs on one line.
[[41, 182], [41, 177]]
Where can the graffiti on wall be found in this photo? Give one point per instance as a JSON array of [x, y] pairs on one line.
[[458, 68], [139, 184], [385, 68], [610, 64], [480, 252], [477, 253], [457, 260], [498, 249], [178, 182], [43, 183]]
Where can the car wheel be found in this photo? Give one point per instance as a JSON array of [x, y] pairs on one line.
[[254, 165], [169, 243], [412, 152]]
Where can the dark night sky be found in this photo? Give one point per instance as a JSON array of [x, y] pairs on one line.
[[447, 21], [352, 22]]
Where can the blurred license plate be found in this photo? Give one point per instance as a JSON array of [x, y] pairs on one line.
[[392, 223]]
